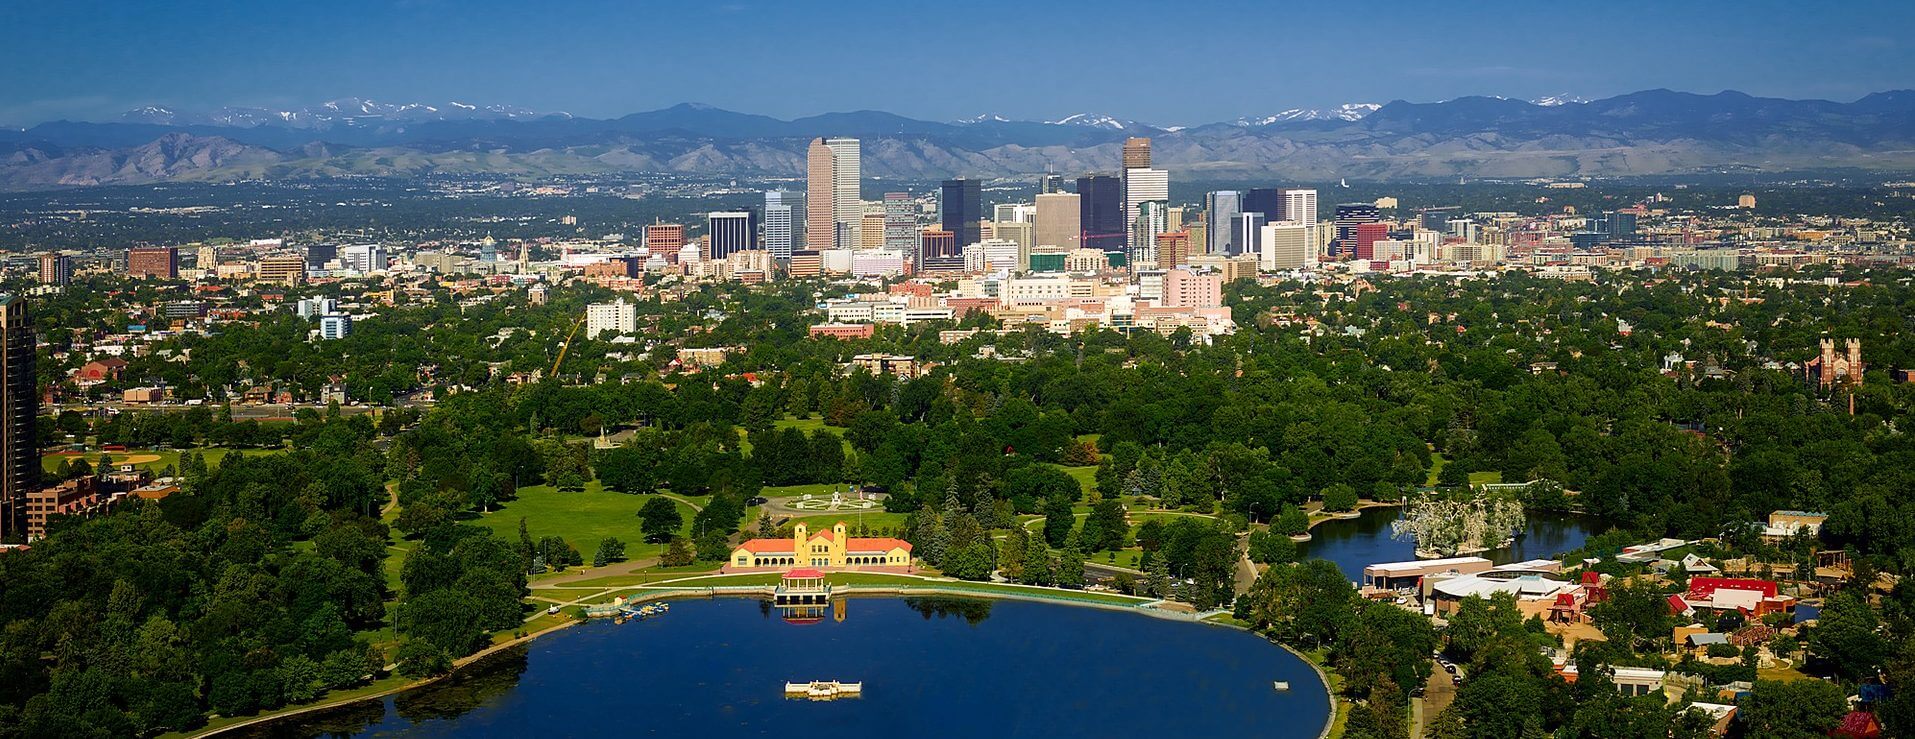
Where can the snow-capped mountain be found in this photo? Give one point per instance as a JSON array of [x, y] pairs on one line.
[[1094, 120], [1555, 100], [350, 111], [1344, 112], [982, 118]]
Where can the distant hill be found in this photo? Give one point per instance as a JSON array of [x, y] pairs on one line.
[[1642, 133]]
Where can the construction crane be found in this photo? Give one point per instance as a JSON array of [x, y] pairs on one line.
[[565, 346]]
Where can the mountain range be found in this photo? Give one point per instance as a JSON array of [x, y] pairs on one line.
[[1644, 133]]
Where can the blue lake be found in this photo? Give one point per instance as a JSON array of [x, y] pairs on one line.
[[930, 668], [1355, 543]]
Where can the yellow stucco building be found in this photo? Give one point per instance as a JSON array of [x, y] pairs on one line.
[[823, 549]]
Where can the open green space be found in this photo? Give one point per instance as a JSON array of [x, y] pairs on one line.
[[582, 518], [166, 457], [1086, 477], [877, 520]]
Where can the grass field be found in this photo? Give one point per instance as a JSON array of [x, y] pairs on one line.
[[582, 518], [810, 425], [153, 459], [877, 520], [1437, 461], [1086, 477]]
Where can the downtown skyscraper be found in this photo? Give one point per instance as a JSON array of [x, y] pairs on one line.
[[833, 210], [1223, 207], [19, 408], [1102, 212], [779, 212], [900, 223], [960, 208]]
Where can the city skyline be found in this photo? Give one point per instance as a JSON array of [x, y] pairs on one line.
[[580, 59]]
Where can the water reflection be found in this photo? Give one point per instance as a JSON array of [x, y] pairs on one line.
[[972, 610], [717, 668], [1355, 543], [458, 694]]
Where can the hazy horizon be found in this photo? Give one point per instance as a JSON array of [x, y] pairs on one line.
[[1166, 65]]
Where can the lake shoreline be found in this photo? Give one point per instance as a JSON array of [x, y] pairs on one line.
[[865, 591]]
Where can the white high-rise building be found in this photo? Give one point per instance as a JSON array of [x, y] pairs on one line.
[[779, 232], [1152, 219], [1300, 206], [1014, 213], [846, 202], [1286, 246], [1140, 186], [335, 327], [834, 213], [618, 317], [363, 258]]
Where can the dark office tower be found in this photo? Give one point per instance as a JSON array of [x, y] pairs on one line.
[[960, 207], [1622, 225], [1348, 217], [729, 232], [1050, 183], [1101, 211], [19, 404], [1265, 200], [317, 255]]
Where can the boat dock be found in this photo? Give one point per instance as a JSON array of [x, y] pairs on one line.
[[823, 690]]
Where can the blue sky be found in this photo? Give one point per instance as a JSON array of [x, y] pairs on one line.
[[1165, 62]]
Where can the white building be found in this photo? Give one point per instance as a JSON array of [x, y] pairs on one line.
[[992, 255], [334, 327], [618, 317], [876, 263], [846, 203], [1300, 206], [315, 307], [1141, 186], [363, 258], [1286, 246], [1014, 212], [778, 224]]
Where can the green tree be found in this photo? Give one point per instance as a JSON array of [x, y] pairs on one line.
[[659, 519], [1848, 635], [1058, 520], [610, 550], [1793, 709], [678, 553], [1339, 498]]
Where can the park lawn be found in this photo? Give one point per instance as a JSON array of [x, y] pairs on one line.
[[816, 490], [1780, 673], [875, 520], [810, 425], [1437, 460], [1086, 477], [807, 425], [167, 457], [1130, 558], [637, 578], [582, 518], [1485, 478]]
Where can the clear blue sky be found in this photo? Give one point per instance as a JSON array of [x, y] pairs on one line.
[[1166, 62]]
